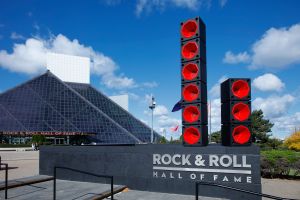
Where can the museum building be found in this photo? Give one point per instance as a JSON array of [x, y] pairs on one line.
[[61, 110]]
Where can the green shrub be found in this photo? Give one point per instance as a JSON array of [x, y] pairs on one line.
[[280, 163]]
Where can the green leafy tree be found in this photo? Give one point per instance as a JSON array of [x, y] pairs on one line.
[[163, 140], [274, 143], [38, 139], [261, 127], [216, 137]]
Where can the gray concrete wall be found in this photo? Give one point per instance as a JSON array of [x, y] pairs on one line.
[[134, 166]]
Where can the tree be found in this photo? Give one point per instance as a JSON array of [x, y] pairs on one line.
[[274, 143], [260, 127], [293, 141], [216, 137], [163, 140], [38, 139]]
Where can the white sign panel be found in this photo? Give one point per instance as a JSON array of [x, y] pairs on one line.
[[69, 68]]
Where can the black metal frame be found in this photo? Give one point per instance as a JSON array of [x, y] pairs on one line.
[[237, 189], [6, 177], [83, 172]]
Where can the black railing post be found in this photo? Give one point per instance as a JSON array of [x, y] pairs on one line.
[[6, 177], [112, 188], [239, 190], [83, 172], [197, 191], [54, 184]]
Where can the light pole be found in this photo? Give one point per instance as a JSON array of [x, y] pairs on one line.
[[152, 106]]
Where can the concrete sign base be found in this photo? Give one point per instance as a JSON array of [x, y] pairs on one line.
[[162, 168]]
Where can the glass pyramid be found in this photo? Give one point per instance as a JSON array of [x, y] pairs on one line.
[[47, 104]]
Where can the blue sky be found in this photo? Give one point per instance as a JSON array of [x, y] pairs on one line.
[[136, 45]]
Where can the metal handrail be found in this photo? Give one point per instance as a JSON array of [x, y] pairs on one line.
[[6, 177], [83, 172], [239, 190]]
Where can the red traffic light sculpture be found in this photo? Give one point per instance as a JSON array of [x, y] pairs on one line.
[[236, 112], [193, 83]]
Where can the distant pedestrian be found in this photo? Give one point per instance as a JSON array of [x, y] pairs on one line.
[[33, 146]]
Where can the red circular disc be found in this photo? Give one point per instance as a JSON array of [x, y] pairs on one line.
[[240, 88], [189, 50], [190, 92], [190, 71], [241, 134], [191, 114], [191, 135], [241, 111], [189, 29]]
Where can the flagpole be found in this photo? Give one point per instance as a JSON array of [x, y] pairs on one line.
[[209, 121]]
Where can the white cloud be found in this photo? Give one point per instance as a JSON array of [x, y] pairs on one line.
[[149, 5], [278, 48], [232, 58], [159, 110], [285, 125], [16, 36], [215, 115], [165, 124], [223, 3], [118, 82], [274, 106], [215, 90], [30, 58], [145, 122], [268, 82], [163, 120], [168, 122]]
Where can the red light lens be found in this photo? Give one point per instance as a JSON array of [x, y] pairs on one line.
[[240, 88], [241, 134], [190, 92], [241, 111], [191, 135], [190, 71], [189, 29], [191, 114], [189, 50]]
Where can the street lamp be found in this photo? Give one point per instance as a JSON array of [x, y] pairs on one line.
[[152, 106]]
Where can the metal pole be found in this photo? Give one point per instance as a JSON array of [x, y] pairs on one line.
[[6, 179], [112, 188], [152, 106], [152, 128], [54, 184], [209, 121], [197, 192]]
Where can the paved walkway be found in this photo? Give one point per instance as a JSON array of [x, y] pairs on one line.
[[21, 164], [26, 164], [68, 190]]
